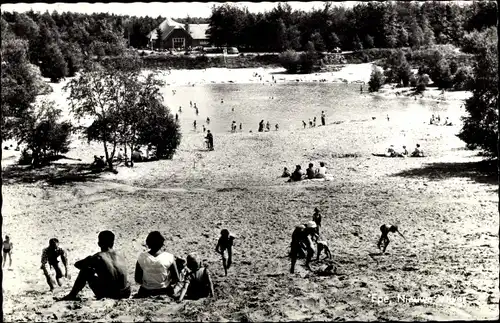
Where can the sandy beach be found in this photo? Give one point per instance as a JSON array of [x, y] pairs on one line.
[[445, 204]]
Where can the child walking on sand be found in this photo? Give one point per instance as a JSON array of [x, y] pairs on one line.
[[225, 243], [384, 238], [7, 251]]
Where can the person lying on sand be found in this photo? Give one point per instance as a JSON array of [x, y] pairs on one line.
[[417, 152], [310, 171], [197, 283], [321, 171], [7, 251], [49, 256], [297, 174], [384, 238], [225, 242], [286, 173], [302, 243], [155, 270], [105, 272]]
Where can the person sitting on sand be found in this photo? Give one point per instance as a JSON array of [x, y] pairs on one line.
[[323, 246], [197, 283], [302, 243], [98, 163], [447, 122], [49, 256], [224, 243], [417, 152], [7, 251], [321, 171], [297, 174], [286, 173], [310, 171], [105, 272], [261, 125], [391, 152], [404, 153], [155, 270], [310, 123], [384, 238]]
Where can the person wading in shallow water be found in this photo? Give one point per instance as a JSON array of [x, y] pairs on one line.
[[105, 272]]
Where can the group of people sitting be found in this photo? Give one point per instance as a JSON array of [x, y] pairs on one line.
[[268, 126], [436, 120], [156, 271], [310, 173], [393, 152]]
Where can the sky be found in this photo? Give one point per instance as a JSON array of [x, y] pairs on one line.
[[155, 9]]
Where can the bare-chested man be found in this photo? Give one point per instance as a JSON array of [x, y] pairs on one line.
[[384, 238], [49, 259], [105, 272]]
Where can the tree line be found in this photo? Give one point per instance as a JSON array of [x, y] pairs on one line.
[[366, 25]]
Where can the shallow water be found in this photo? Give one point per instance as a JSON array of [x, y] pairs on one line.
[[288, 104]]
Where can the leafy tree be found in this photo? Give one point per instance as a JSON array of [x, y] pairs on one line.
[[289, 59], [44, 135], [376, 79], [369, 41], [159, 38], [317, 41], [480, 126], [356, 43], [416, 36], [429, 38], [403, 37], [53, 64], [463, 78]]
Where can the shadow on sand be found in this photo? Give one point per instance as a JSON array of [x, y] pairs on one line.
[[485, 171], [54, 174]]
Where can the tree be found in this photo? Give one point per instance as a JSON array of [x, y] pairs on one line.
[[317, 40], [416, 36], [480, 125], [53, 64], [429, 38], [376, 79], [356, 43], [369, 41], [290, 61], [44, 136], [159, 37]]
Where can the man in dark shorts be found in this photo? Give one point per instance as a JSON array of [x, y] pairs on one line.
[[49, 256], [384, 237], [210, 140], [302, 244], [105, 272]]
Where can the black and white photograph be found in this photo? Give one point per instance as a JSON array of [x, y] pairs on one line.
[[250, 161]]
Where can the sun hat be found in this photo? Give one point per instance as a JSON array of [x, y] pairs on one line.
[[311, 225]]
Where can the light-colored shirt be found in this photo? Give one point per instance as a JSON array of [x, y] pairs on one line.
[[156, 270], [322, 170]]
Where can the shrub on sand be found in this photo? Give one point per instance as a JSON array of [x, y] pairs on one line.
[[376, 79]]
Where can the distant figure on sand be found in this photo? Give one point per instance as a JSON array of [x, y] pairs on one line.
[[49, 256], [197, 111], [191, 104], [225, 243], [176, 117], [387, 117], [155, 270], [323, 246], [268, 126], [314, 122], [384, 238], [241, 126], [286, 173], [210, 140], [208, 120], [323, 118], [310, 171], [297, 174], [195, 106], [7, 251], [277, 127], [391, 152], [304, 124], [197, 283], [261, 126], [105, 272], [405, 152], [417, 152], [317, 219], [194, 124], [222, 101], [180, 109], [310, 123], [361, 89], [204, 129], [302, 244]]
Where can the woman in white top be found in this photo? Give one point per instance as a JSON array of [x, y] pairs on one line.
[[155, 270], [321, 171]]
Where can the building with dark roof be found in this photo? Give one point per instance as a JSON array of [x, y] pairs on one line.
[[179, 36]]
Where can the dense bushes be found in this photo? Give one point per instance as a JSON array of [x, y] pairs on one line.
[[376, 79], [306, 62]]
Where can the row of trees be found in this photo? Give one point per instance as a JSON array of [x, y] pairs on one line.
[[366, 25]]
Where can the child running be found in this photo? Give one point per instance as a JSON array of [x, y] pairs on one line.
[[384, 238], [225, 243]]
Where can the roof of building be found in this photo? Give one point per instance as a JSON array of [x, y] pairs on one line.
[[198, 31]]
